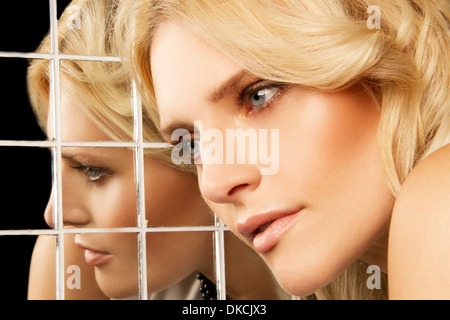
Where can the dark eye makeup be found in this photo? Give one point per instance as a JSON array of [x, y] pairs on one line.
[[93, 174], [259, 96]]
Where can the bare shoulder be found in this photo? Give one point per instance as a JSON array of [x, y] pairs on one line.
[[419, 240], [430, 177]]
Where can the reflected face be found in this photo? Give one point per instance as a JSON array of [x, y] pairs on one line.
[[328, 201], [99, 191]]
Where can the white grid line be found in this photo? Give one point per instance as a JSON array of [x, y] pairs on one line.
[[139, 167], [32, 232], [62, 56], [104, 144], [56, 151], [220, 259]]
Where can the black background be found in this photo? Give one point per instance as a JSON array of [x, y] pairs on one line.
[[25, 172]]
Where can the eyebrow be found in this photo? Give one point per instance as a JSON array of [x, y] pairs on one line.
[[167, 130], [86, 157], [230, 85], [215, 95]]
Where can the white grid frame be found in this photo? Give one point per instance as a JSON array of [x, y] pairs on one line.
[[138, 145]]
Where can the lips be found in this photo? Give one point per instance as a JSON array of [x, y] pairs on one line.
[[93, 257], [266, 229]]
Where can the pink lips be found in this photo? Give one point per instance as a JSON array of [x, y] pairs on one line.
[[93, 257], [266, 229]]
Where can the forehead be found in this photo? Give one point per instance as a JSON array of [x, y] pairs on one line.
[[75, 124], [185, 69]]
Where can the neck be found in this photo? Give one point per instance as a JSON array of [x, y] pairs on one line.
[[377, 253]]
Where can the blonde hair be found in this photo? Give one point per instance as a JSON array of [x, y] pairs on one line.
[[86, 27], [327, 44]]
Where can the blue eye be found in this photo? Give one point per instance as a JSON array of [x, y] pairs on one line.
[[262, 96], [93, 174], [194, 149]]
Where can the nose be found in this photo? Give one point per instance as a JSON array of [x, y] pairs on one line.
[[228, 183], [74, 211]]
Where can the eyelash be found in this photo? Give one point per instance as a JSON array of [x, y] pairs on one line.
[[243, 99], [245, 95], [93, 174], [195, 158]]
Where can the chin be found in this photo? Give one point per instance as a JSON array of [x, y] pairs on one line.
[[301, 284], [303, 274], [119, 292], [117, 288]]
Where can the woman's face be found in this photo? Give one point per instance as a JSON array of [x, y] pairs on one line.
[[99, 191], [326, 203]]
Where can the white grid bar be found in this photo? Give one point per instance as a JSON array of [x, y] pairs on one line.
[[219, 248], [105, 144], [50, 56], [32, 232], [140, 189], [56, 151]]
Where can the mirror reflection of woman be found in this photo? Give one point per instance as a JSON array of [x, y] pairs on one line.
[[364, 125], [99, 184]]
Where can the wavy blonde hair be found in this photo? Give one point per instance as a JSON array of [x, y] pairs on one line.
[[327, 44], [86, 27]]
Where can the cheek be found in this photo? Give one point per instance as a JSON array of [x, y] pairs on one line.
[[173, 199], [226, 211], [330, 143], [331, 164], [116, 206], [119, 278]]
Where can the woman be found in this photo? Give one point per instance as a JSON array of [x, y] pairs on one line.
[[361, 115], [99, 187]]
